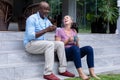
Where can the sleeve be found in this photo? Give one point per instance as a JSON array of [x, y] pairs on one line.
[[57, 34], [50, 24], [30, 29]]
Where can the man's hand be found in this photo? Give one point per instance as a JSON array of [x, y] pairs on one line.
[[50, 28]]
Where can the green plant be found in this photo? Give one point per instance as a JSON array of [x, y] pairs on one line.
[[103, 77], [108, 11], [55, 7]]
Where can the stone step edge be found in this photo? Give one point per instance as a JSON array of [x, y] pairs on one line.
[[107, 69], [11, 51], [23, 51], [22, 32], [10, 65], [41, 78], [82, 40], [95, 56], [15, 65], [5, 32], [109, 46], [17, 39], [95, 47], [104, 56], [87, 40], [97, 71]]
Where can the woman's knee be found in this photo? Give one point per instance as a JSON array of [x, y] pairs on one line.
[[75, 49], [89, 49]]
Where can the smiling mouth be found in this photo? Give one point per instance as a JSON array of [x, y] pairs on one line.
[[45, 15], [66, 21]]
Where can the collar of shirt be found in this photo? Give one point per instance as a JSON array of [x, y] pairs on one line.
[[38, 15], [42, 22]]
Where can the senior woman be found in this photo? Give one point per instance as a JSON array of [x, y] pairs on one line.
[[72, 49]]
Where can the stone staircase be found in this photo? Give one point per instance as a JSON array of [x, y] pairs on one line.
[[16, 64]]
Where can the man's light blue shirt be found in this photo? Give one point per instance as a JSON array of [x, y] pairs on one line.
[[34, 24]]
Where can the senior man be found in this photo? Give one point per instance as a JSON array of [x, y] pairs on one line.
[[36, 26]]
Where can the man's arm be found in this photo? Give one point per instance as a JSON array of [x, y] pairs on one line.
[[48, 29]]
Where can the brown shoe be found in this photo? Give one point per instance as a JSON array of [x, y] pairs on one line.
[[51, 77], [68, 74]]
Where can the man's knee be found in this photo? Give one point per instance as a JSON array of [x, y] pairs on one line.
[[50, 44], [60, 43]]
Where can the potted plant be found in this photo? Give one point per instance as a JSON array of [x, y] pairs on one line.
[[109, 13], [95, 19]]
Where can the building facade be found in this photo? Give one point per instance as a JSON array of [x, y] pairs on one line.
[[21, 8], [118, 21]]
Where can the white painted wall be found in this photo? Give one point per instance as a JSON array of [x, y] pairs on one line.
[[118, 3], [118, 21]]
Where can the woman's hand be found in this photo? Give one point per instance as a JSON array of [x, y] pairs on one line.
[[77, 41], [71, 39], [57, 38]]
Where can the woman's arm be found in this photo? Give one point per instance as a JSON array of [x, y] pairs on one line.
[[77, 42], [77, 39], [67, 41], [59, 39]]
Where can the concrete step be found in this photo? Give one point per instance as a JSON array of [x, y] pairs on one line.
[[108, 50], [38, 77], [24, 72], [99, 61], [11, 45], [18, 44], [20, 56], [13, 35], [98, 36], [16, 64], [36, 70], [103, 50], [14, 40], [99, 70], [41, 78], [99, 43]]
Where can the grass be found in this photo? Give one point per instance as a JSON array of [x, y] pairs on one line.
[[103, 77], [84, 30]]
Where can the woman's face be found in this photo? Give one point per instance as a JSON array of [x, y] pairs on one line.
[[67, 20]]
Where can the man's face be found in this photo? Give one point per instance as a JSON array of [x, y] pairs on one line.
[[44, 9]]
